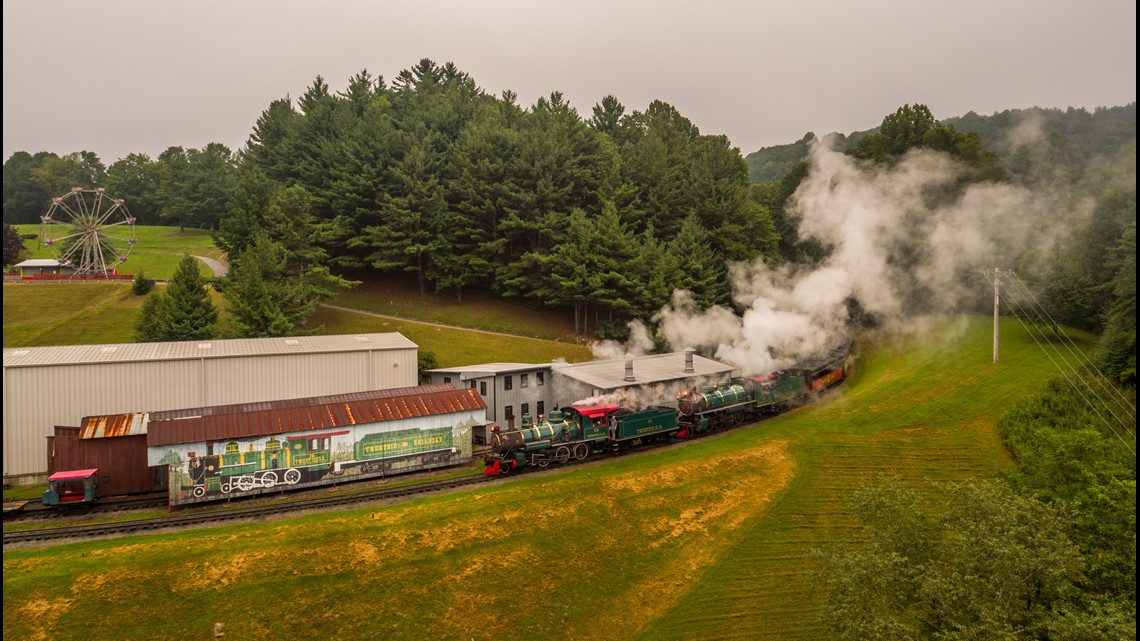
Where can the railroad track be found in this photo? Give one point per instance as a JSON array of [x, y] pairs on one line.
[[214, 517], [211, 517], [35, 510]]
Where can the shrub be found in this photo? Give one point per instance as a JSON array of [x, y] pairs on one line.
[[142, 285]]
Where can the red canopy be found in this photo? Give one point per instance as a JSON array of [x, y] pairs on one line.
[[73, 475], [594, 411]]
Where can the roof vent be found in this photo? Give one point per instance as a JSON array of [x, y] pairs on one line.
[[689, 360], [629, 368], [362, 339], [292, 341], [110, 349], [205, 346]]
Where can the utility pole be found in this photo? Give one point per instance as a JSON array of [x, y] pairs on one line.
[[996, 275]]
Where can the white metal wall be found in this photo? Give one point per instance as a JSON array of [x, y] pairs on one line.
[[37, 398]]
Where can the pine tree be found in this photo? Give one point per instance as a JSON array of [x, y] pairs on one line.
[[183, 313]]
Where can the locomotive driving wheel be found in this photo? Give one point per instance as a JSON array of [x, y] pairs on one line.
[[562, 454], [292, 476], [581, 451]]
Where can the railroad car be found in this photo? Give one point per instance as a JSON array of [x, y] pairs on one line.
[[381, 452], [72, 487], [575, 431]]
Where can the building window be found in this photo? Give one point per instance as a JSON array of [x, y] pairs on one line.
[[526, 408], [538, 377], [471, 384], [507, 382], [482, 388], [446, 379], [523, 379], [541, 407], [509, 412]]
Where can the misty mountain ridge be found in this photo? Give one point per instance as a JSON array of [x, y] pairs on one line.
[[1077, 135]]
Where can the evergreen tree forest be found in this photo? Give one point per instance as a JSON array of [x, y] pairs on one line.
[[600, 215]]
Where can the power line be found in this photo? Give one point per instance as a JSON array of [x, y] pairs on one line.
[[1087, 364], [1094, 373]]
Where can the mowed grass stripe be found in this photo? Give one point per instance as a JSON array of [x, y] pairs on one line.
[[928, 413], [704, 541]]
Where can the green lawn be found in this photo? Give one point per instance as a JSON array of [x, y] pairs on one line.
[[704, 541], [73, 313], [399, 296], [156, 253], [39, 314]]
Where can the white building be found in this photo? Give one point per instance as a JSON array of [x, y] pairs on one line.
[[49, 386], [512, 390], [42, 267]]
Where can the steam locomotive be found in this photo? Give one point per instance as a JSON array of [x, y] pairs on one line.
[[576, 431]]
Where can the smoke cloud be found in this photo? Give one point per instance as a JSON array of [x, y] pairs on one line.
[[905, 242]]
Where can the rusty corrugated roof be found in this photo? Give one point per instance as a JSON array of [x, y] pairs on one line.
[[116, 425], [297, 415]]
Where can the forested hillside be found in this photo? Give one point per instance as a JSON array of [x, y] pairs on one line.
[[634, 215], [1075, 138]]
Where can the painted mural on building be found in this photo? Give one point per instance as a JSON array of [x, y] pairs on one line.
[[208, 471]]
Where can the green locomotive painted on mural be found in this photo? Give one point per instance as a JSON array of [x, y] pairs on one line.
[[306, 458]]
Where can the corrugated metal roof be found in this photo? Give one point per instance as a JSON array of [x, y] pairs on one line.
[[317, 413], [489, 369], [187, 350], [111, 426], [652, 368]]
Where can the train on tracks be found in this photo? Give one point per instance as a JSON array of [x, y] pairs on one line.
[[229, 451], [576, 431]]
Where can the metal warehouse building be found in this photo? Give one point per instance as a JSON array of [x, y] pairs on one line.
[[49, 386]]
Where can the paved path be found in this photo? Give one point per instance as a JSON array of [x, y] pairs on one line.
[[215, 266]]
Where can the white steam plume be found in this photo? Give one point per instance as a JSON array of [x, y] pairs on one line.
[[867, 214]]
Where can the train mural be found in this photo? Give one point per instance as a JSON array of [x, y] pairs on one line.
[[208, 471]]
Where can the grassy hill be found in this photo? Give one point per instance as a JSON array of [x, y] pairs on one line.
[[708, 540], [71, 313], [156, 254]]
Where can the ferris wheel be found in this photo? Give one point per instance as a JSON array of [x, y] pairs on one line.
[[88, 230]]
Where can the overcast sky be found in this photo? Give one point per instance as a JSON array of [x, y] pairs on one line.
[[120, 76]]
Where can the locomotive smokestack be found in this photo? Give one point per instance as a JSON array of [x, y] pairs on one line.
[[689, 360], [629, 368]]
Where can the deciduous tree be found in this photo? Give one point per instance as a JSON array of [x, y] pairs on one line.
[[981, 563]]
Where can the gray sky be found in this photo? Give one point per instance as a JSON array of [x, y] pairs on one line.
[[123, 76]]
